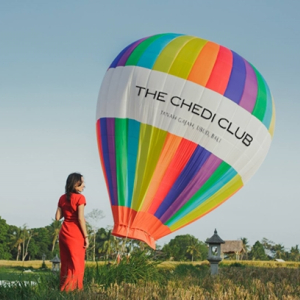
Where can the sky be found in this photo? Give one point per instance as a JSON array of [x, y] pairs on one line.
[[53, 57]]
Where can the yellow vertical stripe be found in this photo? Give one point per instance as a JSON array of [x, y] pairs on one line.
[[186, 58], [169, 149], [211, 203], [151, 142], [272, 124], [169, 54]]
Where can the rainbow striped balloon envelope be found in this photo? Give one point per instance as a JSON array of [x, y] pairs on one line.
[[182, 124]]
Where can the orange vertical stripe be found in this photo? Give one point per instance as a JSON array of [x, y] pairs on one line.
[[169, 149], [137, 225], [149, 224], [220, 74], [204, 64], [179, 161]]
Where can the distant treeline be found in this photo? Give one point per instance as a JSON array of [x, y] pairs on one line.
[[22, 243]]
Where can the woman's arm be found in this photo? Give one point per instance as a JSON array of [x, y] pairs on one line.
[[58, 214], [82, 224]]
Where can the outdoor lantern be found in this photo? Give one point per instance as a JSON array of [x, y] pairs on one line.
[[43, 257], [214, 252], [55, 263]]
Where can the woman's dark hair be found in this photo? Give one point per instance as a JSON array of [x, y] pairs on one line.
[[72, 181]]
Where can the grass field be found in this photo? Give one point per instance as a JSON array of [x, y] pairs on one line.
[[166, 264], [26, 264], [140, 279]]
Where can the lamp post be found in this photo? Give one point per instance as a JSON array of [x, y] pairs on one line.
[[214, 252], [43, 258], [55, 263]]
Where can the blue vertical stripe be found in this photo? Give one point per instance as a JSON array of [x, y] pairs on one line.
[[149, 56], [195, 163], [187, 208], [133, 145], [236, 84]]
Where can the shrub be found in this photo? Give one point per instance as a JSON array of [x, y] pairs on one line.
[[137, 268]]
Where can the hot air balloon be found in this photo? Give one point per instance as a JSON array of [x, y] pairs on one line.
[[182, 124]]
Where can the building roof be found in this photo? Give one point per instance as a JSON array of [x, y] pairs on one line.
[[55, 259], [232, 247], [215, 239]]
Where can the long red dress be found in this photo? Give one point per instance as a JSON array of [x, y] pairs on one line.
[[71, 244]]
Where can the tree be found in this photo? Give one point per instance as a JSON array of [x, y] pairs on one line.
[[43, 242], [108, 246], [295, 253], [194, 251], [245, 245], [20, 239], [279, 251], [185, 247], [33, 250], [4, 245], [27, 235], [267, 244], [54, 229], [93, 218], [102, 236], [257, 252], [17, 240]]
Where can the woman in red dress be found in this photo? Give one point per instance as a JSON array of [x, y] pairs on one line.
[[73, 237]]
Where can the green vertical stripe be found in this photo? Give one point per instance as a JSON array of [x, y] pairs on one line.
[[134, 58], [261, 99], [151, 142], [169, 53], [186, 58], [209, 184], [216, 199], [121, 159]]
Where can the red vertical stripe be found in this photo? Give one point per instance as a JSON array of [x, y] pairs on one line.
[[220, 74], [180, 159], [98, 132]]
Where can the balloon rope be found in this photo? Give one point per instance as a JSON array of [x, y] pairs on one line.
[[126, 238]]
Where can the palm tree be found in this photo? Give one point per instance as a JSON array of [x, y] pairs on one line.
[[93, 218], [279, 250], [55, 228], [20, 239], [109, 246], [28, 234], [193, 250], [104, 236], [17, 240], [245, 245], [142, 245], [295, 253]]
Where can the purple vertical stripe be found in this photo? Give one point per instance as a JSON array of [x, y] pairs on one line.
[[237, 79], [208, 168], [110, 123], [105, 151], [116, 60], [250, 91], [127, 53], [192, 167]]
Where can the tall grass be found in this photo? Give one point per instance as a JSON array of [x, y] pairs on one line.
[[138, 268], [139, 279], [43, 285]]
